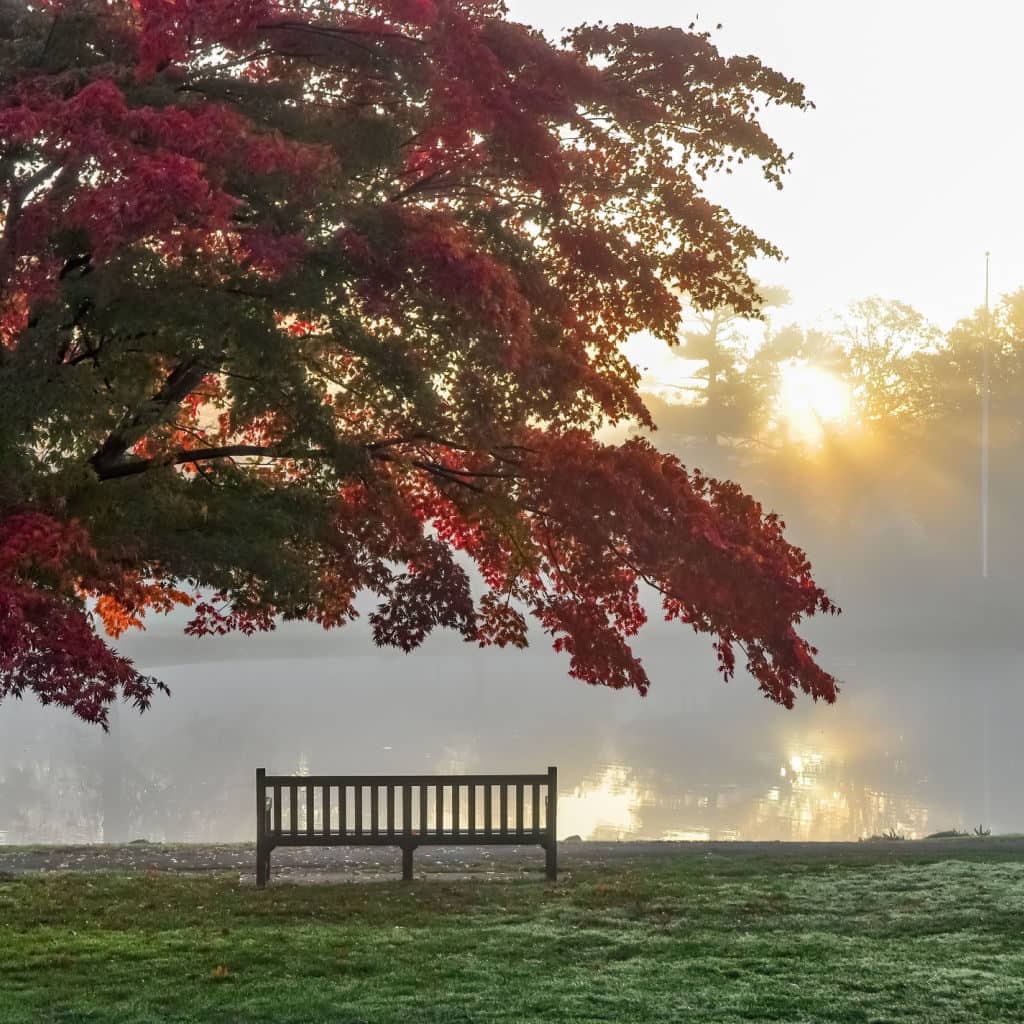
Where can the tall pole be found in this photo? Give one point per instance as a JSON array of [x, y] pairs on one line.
[[985, 342]]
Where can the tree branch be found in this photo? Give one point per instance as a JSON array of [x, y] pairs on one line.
[[134, 467], [20, 191], [181, 382]]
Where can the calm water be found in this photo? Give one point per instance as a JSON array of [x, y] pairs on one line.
[[920, 741]]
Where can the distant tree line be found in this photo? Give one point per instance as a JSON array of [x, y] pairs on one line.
[[888, 500]]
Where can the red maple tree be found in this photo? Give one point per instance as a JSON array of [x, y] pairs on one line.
[[302, 299]]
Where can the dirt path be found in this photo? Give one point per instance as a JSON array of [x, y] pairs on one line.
[[497, 863]]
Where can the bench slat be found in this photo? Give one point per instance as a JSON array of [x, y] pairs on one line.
[[402, 780], [391, 810], [447, 839], [342, 810], [277, 809], [359, 810], [310, 813], [488, 809], [535, 806], [519, 808], [438, 809], [503, 807], [293, 807], [423, 811], [471, 790], [375, 810], [456, 801], [407, 810]]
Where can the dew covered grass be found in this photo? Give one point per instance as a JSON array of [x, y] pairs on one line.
[[683, 938]]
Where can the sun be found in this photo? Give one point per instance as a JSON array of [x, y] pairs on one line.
[[810, 400]]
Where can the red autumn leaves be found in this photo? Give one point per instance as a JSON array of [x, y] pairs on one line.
[[345, 287]]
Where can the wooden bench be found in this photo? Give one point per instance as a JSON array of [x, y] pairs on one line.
[[405, 811]]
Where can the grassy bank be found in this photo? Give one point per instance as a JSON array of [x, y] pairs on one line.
[[692, 938]]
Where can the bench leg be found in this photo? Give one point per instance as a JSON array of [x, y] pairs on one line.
[[261, 867], [551, 861], [407, 863]]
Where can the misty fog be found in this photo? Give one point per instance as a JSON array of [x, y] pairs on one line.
[[924, 736]]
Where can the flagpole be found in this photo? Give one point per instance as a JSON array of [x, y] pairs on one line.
[[985, 390]]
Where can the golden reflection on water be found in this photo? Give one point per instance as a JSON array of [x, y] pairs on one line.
[[606, 807], [812, 795], [816, 798]]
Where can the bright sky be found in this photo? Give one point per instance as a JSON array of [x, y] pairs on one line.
[[911, 165]]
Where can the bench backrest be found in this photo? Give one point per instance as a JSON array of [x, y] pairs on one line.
[[429, 806]]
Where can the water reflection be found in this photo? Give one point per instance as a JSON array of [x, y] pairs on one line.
[[697, 760], [607, 807], [818, 798], [812, 798]]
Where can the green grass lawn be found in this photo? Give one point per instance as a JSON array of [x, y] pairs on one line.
[[695, 938]]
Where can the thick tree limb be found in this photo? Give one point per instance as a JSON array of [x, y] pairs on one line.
[[182, 381], [133, 467]]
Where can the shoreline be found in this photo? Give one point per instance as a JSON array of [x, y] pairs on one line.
[[510, 862]]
